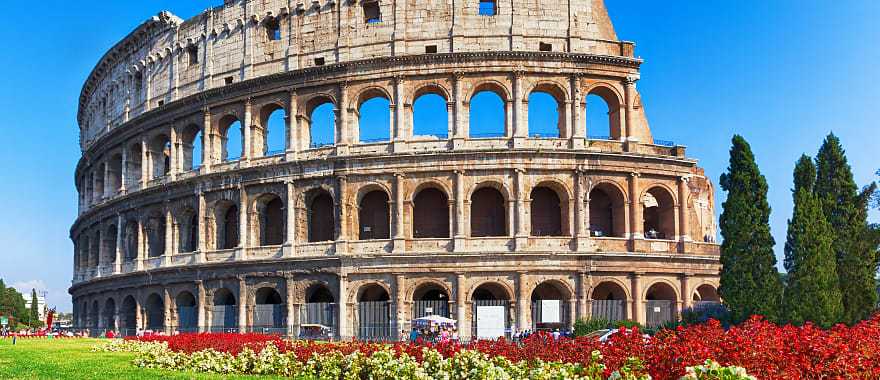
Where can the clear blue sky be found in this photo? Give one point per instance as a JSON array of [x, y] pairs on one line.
[[782, 73]]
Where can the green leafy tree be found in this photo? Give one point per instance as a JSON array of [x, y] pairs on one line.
[[12, 304], [35, 310], [811, 291], [846, 210], [750, 283]]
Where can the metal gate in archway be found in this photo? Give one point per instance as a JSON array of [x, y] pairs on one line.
[[431, 307], [223, 318], [658, 312], [269, 318], [611, 310], [187, 319], [490, 319], [375, 322]]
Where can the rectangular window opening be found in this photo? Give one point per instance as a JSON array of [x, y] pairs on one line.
[[488, 8], [542, 46], [228, 80], [193, 53], [372, 13], [431, 49], [319, 61]]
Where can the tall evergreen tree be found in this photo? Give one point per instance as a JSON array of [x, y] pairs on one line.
[[811, 291], [846, 210], [750, 283], [35, 309]]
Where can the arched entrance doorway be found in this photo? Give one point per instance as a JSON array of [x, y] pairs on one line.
[[318, 315], [608, 302], [187, 319], [374, 314], [491, 311], [223, 313], [660, 301], [268, 311], [430, 299], [550, 307], [110, 314], [155, 311], [128, 316]]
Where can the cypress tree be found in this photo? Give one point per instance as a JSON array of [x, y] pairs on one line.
[[34, 313], [846, 210], [811, 292], [750, 283]]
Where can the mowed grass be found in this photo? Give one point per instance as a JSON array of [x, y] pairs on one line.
[[73, 359]]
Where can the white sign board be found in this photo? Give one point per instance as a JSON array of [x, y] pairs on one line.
[[490, 322], [550, 311]]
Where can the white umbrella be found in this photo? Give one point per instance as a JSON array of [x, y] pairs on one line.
[[436, 319]]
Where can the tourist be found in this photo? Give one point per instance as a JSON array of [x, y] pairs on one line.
[[556, 334], [413, 335]]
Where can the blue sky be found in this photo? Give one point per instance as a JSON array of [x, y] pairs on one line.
[[782, 73]]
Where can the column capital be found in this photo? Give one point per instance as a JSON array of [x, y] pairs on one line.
[[458, 75], [399, 175], [635, 174], [631, 80]]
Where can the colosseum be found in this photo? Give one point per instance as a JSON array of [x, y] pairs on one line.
[[346, 167]]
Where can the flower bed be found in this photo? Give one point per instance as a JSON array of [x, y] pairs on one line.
[[763, 349]]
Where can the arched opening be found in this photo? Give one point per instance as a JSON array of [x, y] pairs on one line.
[[603, 114], [99, 182], [548, 213], [544, 115], [488, 115], [374, 313], [94, 321], [374, 118], [273, 119], [608, 302], [374, 216], [430, 299], [188, 231], [156, 235], [128, 316], [270, 215], [192, 145], [430, 214], [110, 315], [658, 214], [130, 238], [227, 225], [488, 213], [155, 312], [607, 211], [95, 251], [550, 307], [114, 167], [109, 245], [322, 123], [319, 312], [231, 138], [268, 309], [321, 217], [372, 12], [660, 302], [187, 317], [159, 153], [491, 311], [133, 169], [223, 313], [430, 116]]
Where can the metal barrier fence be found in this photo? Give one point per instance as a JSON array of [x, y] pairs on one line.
[[224, 317], [423, 309], [544, 319], [375, 322], [658, 312], [611, 310], [269, 316]]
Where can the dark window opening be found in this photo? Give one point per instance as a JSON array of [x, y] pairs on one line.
[[161, 103], [488, 8], [431, 49], [374, 216], [321, 218], [545, 46], [193, 53], [488, 216], [431, 214], [319, 61], [273, 31], [372, 13], [228, 80]]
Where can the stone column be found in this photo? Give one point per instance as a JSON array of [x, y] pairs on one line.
[[400, 304], [342, 128], [521, 219], [292, 126], [461, 306], [399, 236], [207, 142], [401, 130], [108, 190], [169, 239], [629, 113], [635, 207], [203, 227], [120, 244], [687, 300], [582, 211], [459, 240], [341, 215], [684, 215], [638, 303], [289, 288], [168, 303], [290, 210], [584, 290], [173, 159], [243, 216], [342, 315], [460, 130], [450, 119], [146, 165], [201, 308], [123, 172], [138, 313], [523, 303], [139, 261], [520, 123], [247, 133], [243, 301]]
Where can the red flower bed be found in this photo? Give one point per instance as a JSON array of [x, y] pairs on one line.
[[766, 350]]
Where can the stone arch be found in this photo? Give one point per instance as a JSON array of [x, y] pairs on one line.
[[607, 210], [374, 215], [487, 107], [128, 315], [658, 212], [430, 201], [226, 226], [188, 230], [229, 123], [155, 226], [429, 297], [500, 290], [159, 153], [414, 287], [315, 109], [609, 300], [185, 305], [706, 292], [374, 320], [321, 215], [224, 309], [94, 314], [550, 203], [489, 210], [661, 302], [537, 104], [425, 105], [270, 222], [319, 292], [661, 289], [154, 310], [544, 314], [130, 238], [501, 89], [114, 166], [371, 291], [429, 88], [271, 131], [562, 287], [192, 143], [110, 314], [610, 288], [109, 243], [613, 99], [133, 170], [268, 308]]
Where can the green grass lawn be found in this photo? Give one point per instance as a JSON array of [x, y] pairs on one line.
[[73, 359]]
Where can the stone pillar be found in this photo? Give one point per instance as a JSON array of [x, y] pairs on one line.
[[522, 232], [139, 261], [582, 211], [243, 216], [572, 312], [169, 238], [459, 240], [584, 290], [207, 142], [684, 215], [450, 119], [292, 126], [687, 300], [138, 313], [629, 114], [401, 130], [523, 303], [460, 127], [247, 133], [399, 236], [520, 123], [289, 288], [123, 172], [342, 315], [243, 301], [108, 190], [342, 128], [173, 159], [341, 215], [635, 207], [461, 306], [120, 244], [290, 210], [201, 308], [400, 305], [638, 302], [146, 165], [168, 303]]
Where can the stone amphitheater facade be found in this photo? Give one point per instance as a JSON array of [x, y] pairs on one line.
[[363, 236]]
